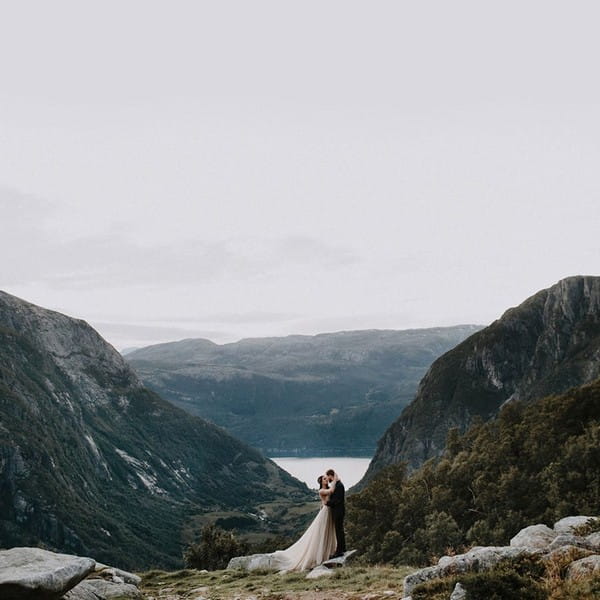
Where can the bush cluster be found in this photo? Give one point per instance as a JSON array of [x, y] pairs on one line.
[[214, 550], [534, 463]]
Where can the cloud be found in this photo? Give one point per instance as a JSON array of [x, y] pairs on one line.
[[39, 251]]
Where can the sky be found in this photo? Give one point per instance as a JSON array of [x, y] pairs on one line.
[[232, 169]]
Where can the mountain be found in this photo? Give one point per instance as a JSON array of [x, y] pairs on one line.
[[93, 463], [546, 345], [329, 394]]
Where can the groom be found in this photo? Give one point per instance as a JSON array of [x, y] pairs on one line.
[[338, 510]]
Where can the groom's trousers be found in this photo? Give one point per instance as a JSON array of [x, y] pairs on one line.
[[338, 522]]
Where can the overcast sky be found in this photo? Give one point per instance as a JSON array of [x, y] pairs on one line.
[[230, 169]]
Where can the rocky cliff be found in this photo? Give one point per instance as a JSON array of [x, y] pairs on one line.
[[546, 345], [328, 394], [92, 462]]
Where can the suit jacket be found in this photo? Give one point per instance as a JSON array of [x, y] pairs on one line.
[[337, 499]]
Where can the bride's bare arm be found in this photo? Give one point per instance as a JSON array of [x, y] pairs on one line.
[[327, 492]]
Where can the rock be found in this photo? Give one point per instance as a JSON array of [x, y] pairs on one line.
[[477, 559], [319, 571], [82, 591], [459, 592], [568, 524], [534, 536], [39, 574], [108, 589], [340, 561], [253, 561], [568, 539], [107, 572], [584, 567], [594, 540], [421, 576], [566, 552]]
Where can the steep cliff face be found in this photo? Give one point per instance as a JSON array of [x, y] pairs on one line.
[[330, 394], [94, 463], [545, 346]]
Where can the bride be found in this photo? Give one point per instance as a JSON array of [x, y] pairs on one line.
[[317, 543]]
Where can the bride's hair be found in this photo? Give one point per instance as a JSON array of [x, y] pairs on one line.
[[320, 481]]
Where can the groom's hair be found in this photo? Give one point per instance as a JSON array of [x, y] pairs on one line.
[[330, 472]]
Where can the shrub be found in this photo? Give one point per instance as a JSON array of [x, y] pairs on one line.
[[215, 549]]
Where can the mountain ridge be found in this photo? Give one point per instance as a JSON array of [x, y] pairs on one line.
[[329, 394], [546, 345], [92, 462]]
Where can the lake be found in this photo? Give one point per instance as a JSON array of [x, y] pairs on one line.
[[349, 469]]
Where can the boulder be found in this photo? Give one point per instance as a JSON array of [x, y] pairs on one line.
[[534, 537], [459, 592], [584, 567], [566, 552], [568, 524], [320, 571], [340, 561], [100, 589], [477, 559], [112, 573], [594, 540], [82, 591], [568, 539], [36, 574], [254, 561]]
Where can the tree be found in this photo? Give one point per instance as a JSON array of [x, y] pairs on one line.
[[215, 549]]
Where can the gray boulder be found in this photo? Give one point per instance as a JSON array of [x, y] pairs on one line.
[[568, 551], [477, 559], [117, 575], [568, 524], [584, 567], [36, 574], [101, 589], [568, 539], [534, 537], [594, 540], [254, 561], [320, 571], [459, 592], [82, 591]]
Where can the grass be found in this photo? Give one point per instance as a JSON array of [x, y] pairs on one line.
[[349, 583]]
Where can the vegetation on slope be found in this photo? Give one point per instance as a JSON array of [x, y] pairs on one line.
[[547, 345], [532, 464], [92, 463]]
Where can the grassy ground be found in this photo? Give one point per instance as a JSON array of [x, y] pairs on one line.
[[350, 583]]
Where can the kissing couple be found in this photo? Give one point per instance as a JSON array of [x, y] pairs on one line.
[[324, 539]]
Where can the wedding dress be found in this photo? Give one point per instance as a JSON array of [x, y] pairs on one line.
[[315, 546]]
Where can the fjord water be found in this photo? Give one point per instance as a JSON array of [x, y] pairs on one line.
[[350, 469]]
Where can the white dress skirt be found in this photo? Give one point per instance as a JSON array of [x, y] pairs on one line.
[[315, 546]]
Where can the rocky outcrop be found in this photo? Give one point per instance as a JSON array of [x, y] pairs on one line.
[[36, 574], [547, 345], [89, 457], [584, 567], [535, 540]]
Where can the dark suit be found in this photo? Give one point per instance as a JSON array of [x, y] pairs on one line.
[[338, 510]]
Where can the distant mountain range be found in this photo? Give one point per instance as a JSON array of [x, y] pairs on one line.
[[548, 344], [331, 394], [94, 463]]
